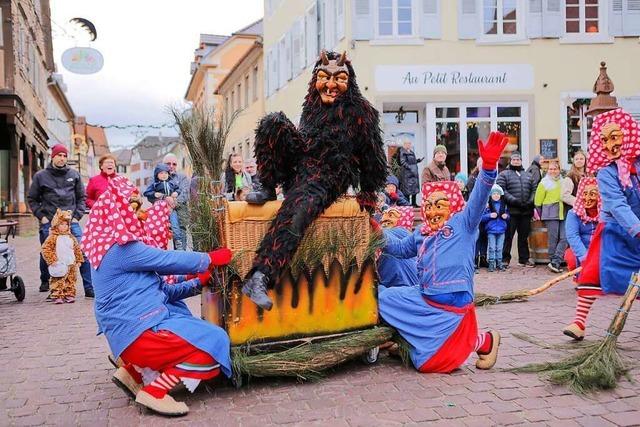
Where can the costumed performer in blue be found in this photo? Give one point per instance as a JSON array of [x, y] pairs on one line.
[[437, 318], [397, 222], [144, 319], [614, 155]]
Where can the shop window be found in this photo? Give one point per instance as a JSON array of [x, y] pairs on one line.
[[500, 17], [461, 127], [578, 127], [582, 16], [395, 18]]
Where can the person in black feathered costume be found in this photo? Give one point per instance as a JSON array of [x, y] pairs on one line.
[[337, 144]]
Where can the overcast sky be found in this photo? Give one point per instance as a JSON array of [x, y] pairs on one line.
[[147, 47]]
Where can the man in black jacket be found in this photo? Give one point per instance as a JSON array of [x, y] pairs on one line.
[[518, 193], [59, 186]]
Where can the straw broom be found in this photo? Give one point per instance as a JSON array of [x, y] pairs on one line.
[[307, 361], [597, 366], [522, 295]]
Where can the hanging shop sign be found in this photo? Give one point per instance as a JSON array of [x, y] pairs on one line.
[[467, 77], [82, 60]]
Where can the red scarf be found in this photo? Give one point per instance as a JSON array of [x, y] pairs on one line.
[[113, 221], [630, 149]]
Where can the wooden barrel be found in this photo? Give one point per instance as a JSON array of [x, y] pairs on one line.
[[538, 243]]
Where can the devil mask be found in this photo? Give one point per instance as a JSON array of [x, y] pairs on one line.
[[332, 77]]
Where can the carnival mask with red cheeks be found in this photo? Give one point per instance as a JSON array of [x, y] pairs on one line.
[[611, 136], [436, 210], [590, 196], [135, 201], [390, 218], [332, 77]]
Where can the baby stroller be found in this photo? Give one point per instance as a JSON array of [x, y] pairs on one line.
[[9, 280]]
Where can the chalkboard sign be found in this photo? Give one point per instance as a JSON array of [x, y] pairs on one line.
[[549, 148]]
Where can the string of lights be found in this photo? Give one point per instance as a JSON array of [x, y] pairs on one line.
[[120, 127]]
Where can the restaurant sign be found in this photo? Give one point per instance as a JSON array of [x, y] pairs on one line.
[[467, 77]]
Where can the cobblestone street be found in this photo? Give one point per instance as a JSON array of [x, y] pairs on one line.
[[55, 371]]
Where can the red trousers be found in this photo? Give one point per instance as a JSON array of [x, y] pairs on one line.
[[166, 352]]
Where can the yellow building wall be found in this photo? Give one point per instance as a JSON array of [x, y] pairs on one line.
[[563, 67]]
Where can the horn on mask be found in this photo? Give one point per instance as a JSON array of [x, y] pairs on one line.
[[324, 58], [342, 59]]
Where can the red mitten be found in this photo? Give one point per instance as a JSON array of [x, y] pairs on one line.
[[393, 196], [367, 201], [204, 278], [220, 257], [491, 151]]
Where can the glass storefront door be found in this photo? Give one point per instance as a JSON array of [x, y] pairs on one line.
[[460, 126]]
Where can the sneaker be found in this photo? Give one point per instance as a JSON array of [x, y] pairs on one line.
[[69, 300], [44, 287], [89, 294], [477, 270], [529, 264], [501, 267], [58, 301], [554, 267]]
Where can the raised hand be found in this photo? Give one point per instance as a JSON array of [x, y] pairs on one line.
[[491, 150]]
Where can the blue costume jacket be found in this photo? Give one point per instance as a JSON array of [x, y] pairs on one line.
[[445, 272], [579, 235], [620, 252], [130, 297], [395, 271], [446, 258]]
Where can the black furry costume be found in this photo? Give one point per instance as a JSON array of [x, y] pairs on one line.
[[336, 146]]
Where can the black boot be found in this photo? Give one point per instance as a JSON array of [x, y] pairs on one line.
[[261, 197], [256, 289]]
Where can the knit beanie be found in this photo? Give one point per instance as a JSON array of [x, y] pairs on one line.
[[391, 179], [440, 147], [57, 149], [516, 154], [461, 176], [497, 189]]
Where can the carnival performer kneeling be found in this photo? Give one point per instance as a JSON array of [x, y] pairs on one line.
[[438, 318], [144, 318]]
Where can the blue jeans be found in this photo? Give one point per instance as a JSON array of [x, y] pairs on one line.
[[178, 238], [85, 268], [494, 248]]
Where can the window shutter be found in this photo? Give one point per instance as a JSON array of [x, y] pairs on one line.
[[339, 20], [299, 54], [552, 24], [328, 24], [631, 18], [534, 19], [430, 22], [275, 69], [265, 74], [362, 19], [468, 19], [631, 105], [288, 56], [311, 35], [282, 62], [615, 18]]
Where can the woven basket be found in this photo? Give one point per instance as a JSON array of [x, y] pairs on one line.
[[245, 225]]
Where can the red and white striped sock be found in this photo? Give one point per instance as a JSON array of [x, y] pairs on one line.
[[161, 385], [582, 310], [484, 341]]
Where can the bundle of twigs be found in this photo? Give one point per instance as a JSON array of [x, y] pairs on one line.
[[598, 365], [521, 295], [307, 361], [205, 134]]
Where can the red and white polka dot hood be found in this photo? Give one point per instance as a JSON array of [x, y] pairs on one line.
[[113, 221]]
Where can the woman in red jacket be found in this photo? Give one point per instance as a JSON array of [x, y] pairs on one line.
[[98, 184]]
